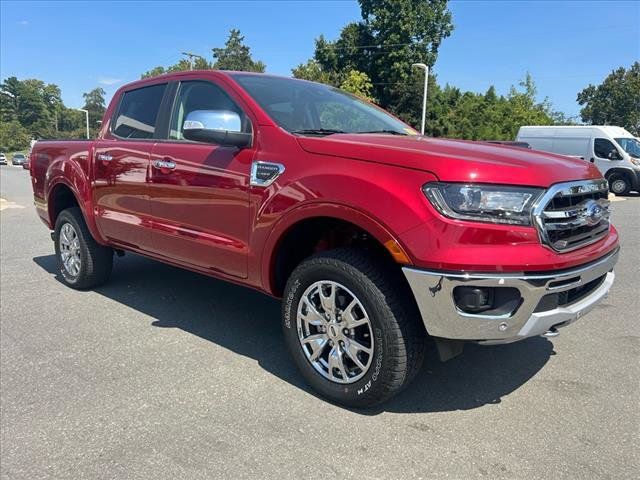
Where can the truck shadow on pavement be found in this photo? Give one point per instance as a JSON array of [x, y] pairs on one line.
[[248, 323]]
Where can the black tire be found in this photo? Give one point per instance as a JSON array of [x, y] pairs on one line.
[[96, 261], [619, 184], [398, 333]]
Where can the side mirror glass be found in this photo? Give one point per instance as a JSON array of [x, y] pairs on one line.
[[221, 127]]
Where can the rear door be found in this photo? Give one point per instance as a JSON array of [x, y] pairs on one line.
[[121, 168], [200, 205]]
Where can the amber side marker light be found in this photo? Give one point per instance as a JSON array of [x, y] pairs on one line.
[[397, 252]]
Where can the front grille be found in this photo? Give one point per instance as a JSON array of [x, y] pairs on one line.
[[574, 214]]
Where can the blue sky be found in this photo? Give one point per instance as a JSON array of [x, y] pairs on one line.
[[78, 45]]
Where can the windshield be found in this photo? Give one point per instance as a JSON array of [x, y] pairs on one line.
[[630, 145], [309, 108]]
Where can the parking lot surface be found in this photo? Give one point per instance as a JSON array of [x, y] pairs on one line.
[[164, 373]]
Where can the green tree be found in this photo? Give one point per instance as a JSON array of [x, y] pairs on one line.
[[391, 36], [13, 136], [358, 83], [235, 55], [94, 102], [616, 101]]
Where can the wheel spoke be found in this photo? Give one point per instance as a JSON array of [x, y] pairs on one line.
[[336, 361], [349, 317], [317, 344], [356, 346], [328, 302], [352, 352], [312, 316]]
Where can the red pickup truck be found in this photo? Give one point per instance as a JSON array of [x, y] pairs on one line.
[[375, 237]]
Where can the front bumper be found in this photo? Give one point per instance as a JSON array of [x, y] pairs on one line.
[[433, 291]]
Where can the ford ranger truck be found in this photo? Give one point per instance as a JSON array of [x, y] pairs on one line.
[[375, 237]]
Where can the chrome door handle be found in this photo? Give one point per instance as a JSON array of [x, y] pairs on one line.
[[164, 164], [104, 157]]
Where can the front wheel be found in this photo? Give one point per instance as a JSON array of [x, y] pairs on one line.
[[619, 184], [82, 262], [352, 328]]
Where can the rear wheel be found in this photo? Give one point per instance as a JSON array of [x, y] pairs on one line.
[[351, 327], [619, 184], [82, 262]]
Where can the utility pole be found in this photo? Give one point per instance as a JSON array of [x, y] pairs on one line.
[[424, 95], [86, 112], [191, 57]]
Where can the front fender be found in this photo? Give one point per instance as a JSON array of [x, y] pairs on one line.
[[382, 200]]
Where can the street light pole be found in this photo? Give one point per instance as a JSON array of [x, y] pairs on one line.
[[86, 113], [424, 95]]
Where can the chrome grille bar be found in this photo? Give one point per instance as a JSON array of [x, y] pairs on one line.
[[573, 214]]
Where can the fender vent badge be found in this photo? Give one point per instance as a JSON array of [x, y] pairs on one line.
[[264, 174]]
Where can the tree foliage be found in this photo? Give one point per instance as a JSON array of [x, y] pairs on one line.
[[32, 109], [235, 55], [616, 101], [394, 34], [94, 103]]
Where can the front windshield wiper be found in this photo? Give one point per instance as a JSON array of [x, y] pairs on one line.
[[317, 131], [391, 132]]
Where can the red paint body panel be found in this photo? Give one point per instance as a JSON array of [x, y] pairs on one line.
[[205, 216]]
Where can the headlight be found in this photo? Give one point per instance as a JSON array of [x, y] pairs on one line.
[[483, 203], [635, 161]]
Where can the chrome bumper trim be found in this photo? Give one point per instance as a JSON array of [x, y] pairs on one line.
[[433, 291]]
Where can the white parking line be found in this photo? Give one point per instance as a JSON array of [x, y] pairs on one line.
[[4, 204]]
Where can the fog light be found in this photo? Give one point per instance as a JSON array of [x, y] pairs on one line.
[[473, 299]]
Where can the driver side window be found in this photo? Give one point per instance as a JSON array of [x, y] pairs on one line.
[[200, 95], [603, 148]]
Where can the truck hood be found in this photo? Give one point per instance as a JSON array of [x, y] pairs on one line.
[[455, 160]]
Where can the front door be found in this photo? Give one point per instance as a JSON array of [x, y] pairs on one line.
[[605, 154], [121, 169], [199, 193]]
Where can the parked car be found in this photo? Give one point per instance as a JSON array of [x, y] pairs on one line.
[[613, 150], [375, 237], [508, 143], [3, 159], [18, 159]]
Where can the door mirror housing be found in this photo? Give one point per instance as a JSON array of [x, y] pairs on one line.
[[222, 127]]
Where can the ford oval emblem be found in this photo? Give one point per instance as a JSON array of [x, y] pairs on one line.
[[593, 213]]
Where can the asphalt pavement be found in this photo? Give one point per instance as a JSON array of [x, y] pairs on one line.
[[164, 373]]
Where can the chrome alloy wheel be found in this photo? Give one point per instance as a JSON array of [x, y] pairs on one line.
[[335, 332], [70, 249]]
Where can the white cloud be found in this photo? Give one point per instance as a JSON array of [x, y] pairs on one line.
[[109, 81], [24, 23]]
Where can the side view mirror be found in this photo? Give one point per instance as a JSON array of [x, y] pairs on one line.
[[221, 127], [614, 155]]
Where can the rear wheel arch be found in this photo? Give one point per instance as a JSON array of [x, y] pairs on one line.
[[61, 197]]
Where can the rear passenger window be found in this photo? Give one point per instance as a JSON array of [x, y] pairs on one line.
[[138, 112]]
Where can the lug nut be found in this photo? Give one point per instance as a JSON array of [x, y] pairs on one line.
[[345, 331]]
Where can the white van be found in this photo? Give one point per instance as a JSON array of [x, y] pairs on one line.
[[614, 151]]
